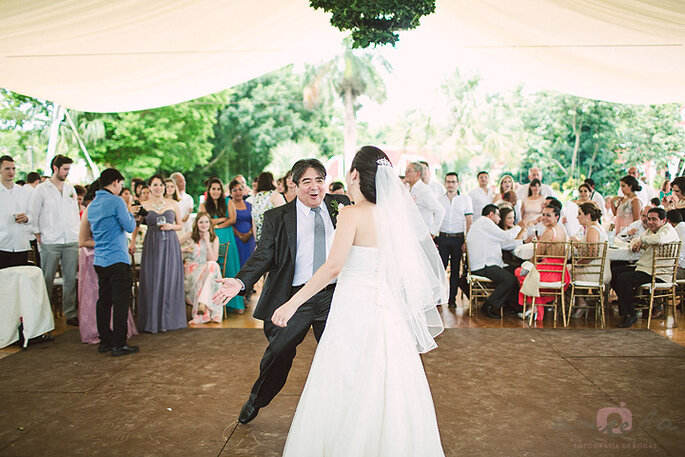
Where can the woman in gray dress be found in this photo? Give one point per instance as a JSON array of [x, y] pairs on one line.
[[161, 301]]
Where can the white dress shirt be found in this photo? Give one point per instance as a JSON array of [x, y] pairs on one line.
[[639, 230], [484, 242], [680, 230], [570, 213], [304, 261], [456, 211], [480, 198], [54, 214], [186, 205], [545, 190], [437, 188], [599, 200], [430, 208], [14, 237]]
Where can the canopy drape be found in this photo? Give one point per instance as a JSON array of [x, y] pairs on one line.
[[124, 55]]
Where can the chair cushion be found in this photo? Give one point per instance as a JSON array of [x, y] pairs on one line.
[[587, 284], [659, 285], [478, 278], [551, 285]]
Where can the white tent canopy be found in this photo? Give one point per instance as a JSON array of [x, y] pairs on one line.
[[106, 56]]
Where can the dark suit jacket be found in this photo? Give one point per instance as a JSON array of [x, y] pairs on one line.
[[276, 254]]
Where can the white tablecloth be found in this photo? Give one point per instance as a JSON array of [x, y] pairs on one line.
[[24, 298], [622, 253]]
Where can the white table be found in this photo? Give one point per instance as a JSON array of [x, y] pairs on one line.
[[616, 253]]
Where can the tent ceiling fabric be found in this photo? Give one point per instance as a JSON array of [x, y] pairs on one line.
[[105, 56]]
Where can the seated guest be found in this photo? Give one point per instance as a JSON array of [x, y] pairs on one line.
[[554, 232], [636, 228], [676, 220], [484, 243], [336, 187], [659, 232], [506, 222], [202, 271], [665, 189], [513, 199], [626, 208], [14, 220], [677, 198]]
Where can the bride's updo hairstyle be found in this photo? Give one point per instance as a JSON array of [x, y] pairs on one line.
[[366, 163]]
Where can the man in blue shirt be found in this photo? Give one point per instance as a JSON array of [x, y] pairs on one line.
[[109, 218]]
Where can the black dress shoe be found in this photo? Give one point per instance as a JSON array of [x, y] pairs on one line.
[[248, 412], [628, 321], [73, 321], [124, 350], [452, 304], [102, 348], [492, 313]]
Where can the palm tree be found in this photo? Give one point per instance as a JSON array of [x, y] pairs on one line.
[[349, 75]]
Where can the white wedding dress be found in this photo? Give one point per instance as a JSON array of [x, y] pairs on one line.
[[367, 393]]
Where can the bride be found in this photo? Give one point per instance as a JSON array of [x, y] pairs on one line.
[[367, 393]]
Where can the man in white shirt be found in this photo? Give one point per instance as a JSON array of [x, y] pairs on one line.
[[482, 195], [676, 220], [437, 188], [185, 201], [534, 173], [484, 243], [54, 213], [636, 228], [456, 223], [431, 210], [658, 232], [596, 196], [14, 219]]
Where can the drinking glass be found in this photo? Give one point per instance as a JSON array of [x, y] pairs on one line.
[[161, 220]]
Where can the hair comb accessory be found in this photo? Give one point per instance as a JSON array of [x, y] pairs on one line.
[[383, 162]]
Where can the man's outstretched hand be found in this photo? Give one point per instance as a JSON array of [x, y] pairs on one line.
[[230, 288]]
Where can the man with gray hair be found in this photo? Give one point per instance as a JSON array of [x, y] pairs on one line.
[[437, 188], [534, 173], [185, 201], [430, 208]]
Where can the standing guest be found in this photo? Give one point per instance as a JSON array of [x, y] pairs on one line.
[[485, 242], [554, 232], [240, 217], [659, 232], [137, 184], [437, 188], [531, 207], [55, 218], [265, 198], [253, 190], [676, 220], [32, 179], [455, 225], [595, 195], [217, 207], [506, 184], [161, 298], [14, 219], [127, 195], [185, 201], [109, 219], [431, 210], [88, 290], [645, 193], [534, 173], [170, 190], [202, 271], [241, 180], [280, 186], [336, 187], [626, 208], [289, 193], [482, 195], [80, 193], [145, 193]]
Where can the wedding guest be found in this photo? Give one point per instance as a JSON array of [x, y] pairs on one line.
[[481, 195], [240, 217], [32, 179], [280, 186], [533, 203], [170, 190], [456, 223], [626, 208], [185, 201], [336, 187], [554, 232], [506, 184], [289, 193], [659, 232], [533, 174], [676, 220], [145, 193], [88, 290], [265, 198], [508, 223], [80, 193], [595, 196], [55, 219], [243, 182], [512, 199], [217, 207], [645, 192], [585, 195], [109, 219], [127, 196], [430, 209], [435, 185], [636, 228], [14, 219], [484, 243], [161, 297], [665, 190], [677, 198], [202, 271], [137, 184]]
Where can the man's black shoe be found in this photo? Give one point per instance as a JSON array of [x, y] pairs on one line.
[[492, 313], [248, 412], [452, 304], [73, 321], [102, 348], [628, 322], [124, 350]]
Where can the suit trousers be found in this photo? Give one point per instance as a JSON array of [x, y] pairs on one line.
[[114, 284], [450, 253], [506, 290], [283, 342], [626, 286], [67, 255]]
